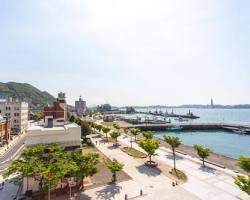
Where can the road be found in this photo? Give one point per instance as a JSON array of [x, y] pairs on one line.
[[11, 154]]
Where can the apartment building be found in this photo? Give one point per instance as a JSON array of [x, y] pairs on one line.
[[17, 111], [80, 107]]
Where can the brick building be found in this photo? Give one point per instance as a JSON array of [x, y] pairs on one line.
[[59, 109], [4, 130]]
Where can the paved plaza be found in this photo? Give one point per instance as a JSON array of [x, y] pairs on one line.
[[203, 183]]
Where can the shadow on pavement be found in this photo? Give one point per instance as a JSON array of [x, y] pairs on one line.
[[108, 192], [171, 157], [207, 169], [96, 136], [113, 147], [149, 171]]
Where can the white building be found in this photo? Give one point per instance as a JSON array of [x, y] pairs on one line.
[[18, 113], [68, 135], [80, 107]]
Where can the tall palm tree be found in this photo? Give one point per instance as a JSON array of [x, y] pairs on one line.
[[174, 142]]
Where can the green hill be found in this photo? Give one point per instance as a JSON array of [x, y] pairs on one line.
[[25, 91]]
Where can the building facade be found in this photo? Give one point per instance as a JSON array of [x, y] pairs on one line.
[[59, 109], [17, 111], [80, 107], [4, 130], [68, 135]]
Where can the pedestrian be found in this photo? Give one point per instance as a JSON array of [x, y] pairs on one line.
[[96, 142]]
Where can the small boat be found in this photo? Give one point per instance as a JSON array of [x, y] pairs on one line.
[[240, 131], [176, 128]]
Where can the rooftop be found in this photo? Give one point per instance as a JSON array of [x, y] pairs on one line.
[[54, 128]]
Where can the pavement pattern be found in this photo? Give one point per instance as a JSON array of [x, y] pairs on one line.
[[210, 183]]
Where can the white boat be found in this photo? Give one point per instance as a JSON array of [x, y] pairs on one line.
[[240, 131]]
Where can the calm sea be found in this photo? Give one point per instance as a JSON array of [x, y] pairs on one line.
[[225, 143]]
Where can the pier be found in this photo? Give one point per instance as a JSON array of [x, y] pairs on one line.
[[161, 114], [191, 126]]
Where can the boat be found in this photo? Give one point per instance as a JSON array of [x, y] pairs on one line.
[[175, 128], [240, 131]]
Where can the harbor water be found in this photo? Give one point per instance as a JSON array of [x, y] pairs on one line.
[[222, 142]]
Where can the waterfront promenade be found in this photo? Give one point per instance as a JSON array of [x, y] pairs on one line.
[[153, 184], [203, 183]]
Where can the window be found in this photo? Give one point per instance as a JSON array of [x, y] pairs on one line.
[[16, 114], [7, 108]]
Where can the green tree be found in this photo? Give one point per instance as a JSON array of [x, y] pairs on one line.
[[99, 127], [78, 121], [150, 146], [116, 126], [85, 130], [202, 152], [114, 135], [24, 166], [244, 181], [72, 118], [126, 130], [174, 142], [38, 115], [148, 135], [48, 164], [86, 165], [114, 166], [244, 163], [135, 132], [106, 130]]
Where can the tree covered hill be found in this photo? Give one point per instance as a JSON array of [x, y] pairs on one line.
[[25, 91]]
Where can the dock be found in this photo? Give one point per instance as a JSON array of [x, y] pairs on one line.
[[160, 114], [191, 126]]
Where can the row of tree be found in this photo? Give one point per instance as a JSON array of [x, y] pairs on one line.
[[149, 144], [48, 164]]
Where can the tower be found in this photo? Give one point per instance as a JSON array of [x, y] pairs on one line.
[[62, 100], [212, 102]]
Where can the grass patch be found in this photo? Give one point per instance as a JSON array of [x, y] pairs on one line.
[[108, 124], [133, 152], [179, 174]]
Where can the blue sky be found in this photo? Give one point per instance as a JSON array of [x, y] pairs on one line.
[[129, 52]]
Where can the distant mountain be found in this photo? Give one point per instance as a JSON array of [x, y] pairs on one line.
[[25, 91]]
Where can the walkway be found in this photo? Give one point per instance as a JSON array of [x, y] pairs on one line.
[[153, 184], [210, 183]]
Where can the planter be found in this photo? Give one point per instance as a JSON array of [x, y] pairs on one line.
[[151, 164]]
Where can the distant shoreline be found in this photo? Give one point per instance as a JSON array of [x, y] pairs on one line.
[[247, 106]]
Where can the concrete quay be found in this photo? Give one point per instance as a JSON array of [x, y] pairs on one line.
[[190, 126]]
